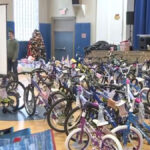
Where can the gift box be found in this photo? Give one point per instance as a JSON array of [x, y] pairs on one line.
[[125, 46]]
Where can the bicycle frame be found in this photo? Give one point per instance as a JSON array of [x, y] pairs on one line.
[[95, 134], [43, 98], [132, 119], [106, 111]]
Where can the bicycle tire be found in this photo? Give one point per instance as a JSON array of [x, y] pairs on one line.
[[133, 129], [70, 137], [67, 130], [147, 108], [54, 111], [87, 143], [55, 96], [13, 87], [118, 145], [30, 111], [148, 96]]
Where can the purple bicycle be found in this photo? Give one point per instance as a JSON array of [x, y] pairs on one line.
[[99, 137]]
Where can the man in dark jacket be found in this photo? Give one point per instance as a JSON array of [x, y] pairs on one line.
[[12, 52]]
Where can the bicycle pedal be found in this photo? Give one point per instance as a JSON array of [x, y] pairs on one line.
[[36, 113]]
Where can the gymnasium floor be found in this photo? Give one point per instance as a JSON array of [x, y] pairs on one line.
[[41, 125]]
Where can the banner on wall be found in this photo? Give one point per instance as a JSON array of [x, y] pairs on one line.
[[3, 39]]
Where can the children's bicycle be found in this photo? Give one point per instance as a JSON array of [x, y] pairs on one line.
[[100, 137], [36, 95]]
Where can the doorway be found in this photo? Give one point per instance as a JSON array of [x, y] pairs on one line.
[[63, 35]]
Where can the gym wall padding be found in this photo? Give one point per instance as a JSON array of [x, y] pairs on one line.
[[23, 46], [10, 26], [45, 30], [3, 40], [80, 41]]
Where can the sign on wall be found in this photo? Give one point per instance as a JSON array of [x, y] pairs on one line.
[[3, 40]]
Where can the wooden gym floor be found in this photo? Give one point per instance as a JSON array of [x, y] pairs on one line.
[[41, 125]]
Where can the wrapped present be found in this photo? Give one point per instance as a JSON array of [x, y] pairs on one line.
[[125, 46]]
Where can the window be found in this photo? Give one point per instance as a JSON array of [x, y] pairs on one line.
[[26, 18]]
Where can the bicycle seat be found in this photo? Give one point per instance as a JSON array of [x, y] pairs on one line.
[[99, 123], [120, 103], [140, 79]]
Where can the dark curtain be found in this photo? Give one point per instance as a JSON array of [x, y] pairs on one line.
[[141, 20]]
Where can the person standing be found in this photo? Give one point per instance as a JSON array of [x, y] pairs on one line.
[[12, 53]]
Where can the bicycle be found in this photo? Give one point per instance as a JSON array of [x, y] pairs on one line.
[[81, 137], [44, 96]]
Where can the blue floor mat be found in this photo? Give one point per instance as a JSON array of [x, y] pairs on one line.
[[22, 115]]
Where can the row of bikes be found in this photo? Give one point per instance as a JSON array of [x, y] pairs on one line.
[[103, 105]]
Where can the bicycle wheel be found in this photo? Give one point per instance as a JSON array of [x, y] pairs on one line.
[[134, 138], [147, 109], [55, 96], [143, 95], [29, 100], [110, 142], [81, 142], [12, 77], [57, 114], [18, 88], [72, 120], [148, 96]]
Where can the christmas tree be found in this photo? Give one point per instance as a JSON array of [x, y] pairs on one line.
[[36, 47]]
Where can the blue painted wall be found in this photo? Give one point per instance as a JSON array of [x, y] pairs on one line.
[[10, 26], [80, 42], [22, 44], [45, 29]]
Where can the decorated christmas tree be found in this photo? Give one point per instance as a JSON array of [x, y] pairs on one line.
[[36, 47]]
